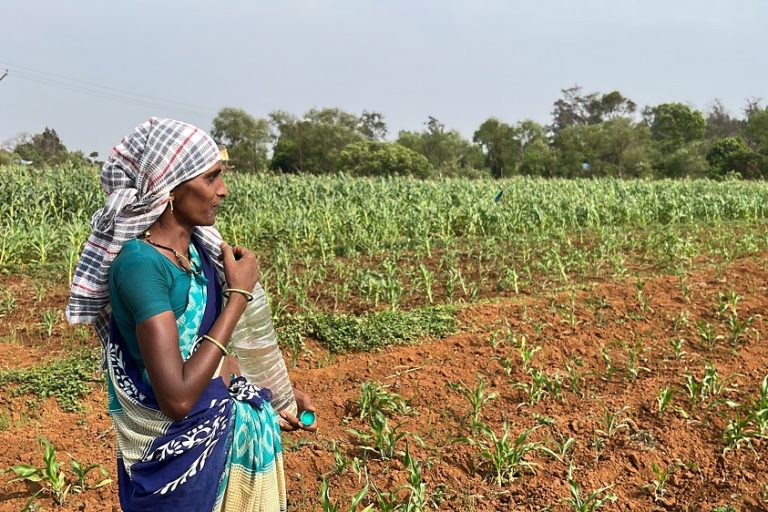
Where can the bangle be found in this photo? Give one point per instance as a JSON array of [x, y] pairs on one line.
[[222, 347], [248, 295]]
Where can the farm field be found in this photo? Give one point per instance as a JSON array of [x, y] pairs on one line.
[[573, 344]]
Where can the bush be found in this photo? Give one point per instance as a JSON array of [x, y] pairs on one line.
[[371, 158]]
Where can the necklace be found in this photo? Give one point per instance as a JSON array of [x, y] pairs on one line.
[[180, 258]]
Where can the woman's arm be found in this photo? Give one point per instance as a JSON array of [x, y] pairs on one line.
[[178, 384]]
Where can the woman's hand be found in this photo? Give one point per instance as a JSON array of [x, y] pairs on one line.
[[289, 422], [241, 268]]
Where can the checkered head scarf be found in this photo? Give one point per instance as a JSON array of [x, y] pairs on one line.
[[138, 177]]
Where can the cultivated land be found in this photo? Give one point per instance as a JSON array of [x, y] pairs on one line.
[[573, 337]]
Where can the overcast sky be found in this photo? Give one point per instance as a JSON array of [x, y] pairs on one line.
[[459, 61]]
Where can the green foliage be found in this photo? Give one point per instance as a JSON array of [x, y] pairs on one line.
[[477, 397], [675, 124], [328, 506], [342, 332], [732, 154], [445, 150], [372, 158], [67, 379], [382, 439], [52, 479], [247, 138], [375, 398], [592, 501], [576, 108], [313, 143], [506, 457]]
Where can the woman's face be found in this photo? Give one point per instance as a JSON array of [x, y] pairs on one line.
[[197, 201]]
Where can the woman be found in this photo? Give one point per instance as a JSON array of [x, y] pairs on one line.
[[191, 433]]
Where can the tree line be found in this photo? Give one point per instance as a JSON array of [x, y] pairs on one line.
[[591, 135]]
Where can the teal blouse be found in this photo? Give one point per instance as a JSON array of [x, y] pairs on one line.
[[142, 284]]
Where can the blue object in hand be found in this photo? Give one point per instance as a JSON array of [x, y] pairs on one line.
[[307, 418]]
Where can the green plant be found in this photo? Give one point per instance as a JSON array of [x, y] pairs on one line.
[[526, 352], [613, 423], [633, 356], [504, 455], [52, 480], [658, 486], [67, 379], [664, 399], [49, 320], [382, 439], [738, 432], [375, 397], [50, 476], [676, 344], [478, 397], [328, 506], [592, 501], [610, 369], [81, 474], [707, 334]]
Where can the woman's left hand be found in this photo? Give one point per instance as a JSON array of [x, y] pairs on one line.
[[289, 422]]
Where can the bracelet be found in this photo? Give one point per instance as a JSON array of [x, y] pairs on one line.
[[248, 295], [222, 347]]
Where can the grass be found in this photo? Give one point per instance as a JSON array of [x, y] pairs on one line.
[[345, 332], [68, 379]]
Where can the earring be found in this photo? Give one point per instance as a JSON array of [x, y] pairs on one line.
[[170, 202]]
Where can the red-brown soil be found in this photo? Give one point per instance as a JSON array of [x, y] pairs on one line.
[[568, 327]]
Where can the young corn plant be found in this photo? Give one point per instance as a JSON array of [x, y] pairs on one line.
[[759, 409], [614, 422], [633, 366], [526, 352], [375, 397], [592, 501], [382, 440], [738, 432], [328, 506], [52, 480], [664, 398], [478, 398], [506, 457], [676, 344], [707, 334], [658, 487]]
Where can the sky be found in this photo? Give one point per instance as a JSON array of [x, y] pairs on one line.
[[93, 69]]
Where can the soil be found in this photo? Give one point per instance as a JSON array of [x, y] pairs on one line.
[[619, 318]]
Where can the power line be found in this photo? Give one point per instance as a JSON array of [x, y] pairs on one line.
[[102, 91]]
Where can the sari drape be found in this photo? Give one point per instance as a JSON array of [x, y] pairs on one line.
[[225, 455]]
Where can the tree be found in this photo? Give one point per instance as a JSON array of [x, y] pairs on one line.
[[446, 150], [44, 149], [372, 125], [732, 154], [618, 147], [499, 145], [576, 109], [314, 142], [247, 138], [373, 158], [721, 124], [675, 124], [756, 130]]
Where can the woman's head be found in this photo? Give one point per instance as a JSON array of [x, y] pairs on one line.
[[196, 202], [158, 157]]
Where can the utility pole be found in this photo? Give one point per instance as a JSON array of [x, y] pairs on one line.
[[4, 75]]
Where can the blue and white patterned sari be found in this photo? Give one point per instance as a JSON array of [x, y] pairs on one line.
[[224, 456]]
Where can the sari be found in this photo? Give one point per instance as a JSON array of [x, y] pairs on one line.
[[225, 455]]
